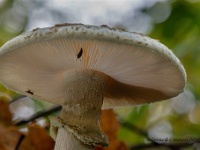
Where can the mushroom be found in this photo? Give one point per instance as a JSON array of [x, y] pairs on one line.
[[85, 69]]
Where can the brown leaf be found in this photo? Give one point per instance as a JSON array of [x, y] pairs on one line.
[[2, 147], [37, 139], [9, 137], [110, 126], [5, 114]]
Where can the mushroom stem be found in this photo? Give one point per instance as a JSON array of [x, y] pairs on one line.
[[66, 141], [81, 112]]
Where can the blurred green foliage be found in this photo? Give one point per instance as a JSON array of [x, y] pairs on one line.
[[181, 33], [13, 19]]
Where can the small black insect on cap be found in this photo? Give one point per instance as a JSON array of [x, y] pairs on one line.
[[80, 53], [29, 92]]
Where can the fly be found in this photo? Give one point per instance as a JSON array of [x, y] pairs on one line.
[[80, 53], [29, 92]]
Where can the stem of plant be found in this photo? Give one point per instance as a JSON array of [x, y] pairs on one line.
[[66, 141], [78, 126]]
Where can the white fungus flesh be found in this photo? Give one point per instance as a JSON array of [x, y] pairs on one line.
[[141, 70]]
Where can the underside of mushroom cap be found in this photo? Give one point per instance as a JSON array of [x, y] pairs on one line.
[[142, 70]]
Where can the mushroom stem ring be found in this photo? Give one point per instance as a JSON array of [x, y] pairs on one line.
[[81, 111]]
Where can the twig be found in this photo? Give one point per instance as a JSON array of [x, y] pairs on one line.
[[156, 145], [19, 142], [153, 143], [38, 115], [135, 129]]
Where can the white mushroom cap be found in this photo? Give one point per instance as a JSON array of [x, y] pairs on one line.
[[143, 70]]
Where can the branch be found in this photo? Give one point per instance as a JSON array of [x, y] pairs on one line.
[[38, 115], [162, 145], [153, 143], [19, 141], [135, 129]]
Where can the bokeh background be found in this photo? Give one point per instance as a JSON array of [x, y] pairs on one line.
[[176, 23]]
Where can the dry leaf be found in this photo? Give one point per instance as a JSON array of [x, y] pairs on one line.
[[9, 137], [110, 126], [2, 147], [5, 114], [37, 139]]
